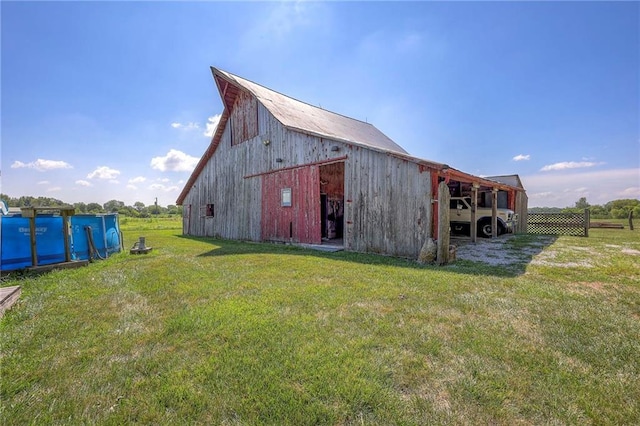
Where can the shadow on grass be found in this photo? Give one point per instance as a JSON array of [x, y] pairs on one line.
[[507, 256]]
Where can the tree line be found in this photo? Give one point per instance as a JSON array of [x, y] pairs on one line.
[[139, 209], [617, 209]]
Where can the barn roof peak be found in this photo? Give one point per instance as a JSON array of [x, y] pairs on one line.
[[304, 117]]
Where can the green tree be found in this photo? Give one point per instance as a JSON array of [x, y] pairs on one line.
[[80, 207], [582, 203], [94, 208], [113, 206], [620, 208]]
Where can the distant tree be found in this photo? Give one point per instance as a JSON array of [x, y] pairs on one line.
[[94, 208], [582, 203], [599, 212], [174, 210], [80, 207], [619, 209], [139, 205], [113, 206], [544, 210]]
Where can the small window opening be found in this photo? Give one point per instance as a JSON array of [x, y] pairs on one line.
[[286, 197]]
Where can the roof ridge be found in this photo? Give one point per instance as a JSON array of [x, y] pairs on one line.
[[291, 97]]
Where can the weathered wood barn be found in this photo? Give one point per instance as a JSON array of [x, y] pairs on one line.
[[278, 169]]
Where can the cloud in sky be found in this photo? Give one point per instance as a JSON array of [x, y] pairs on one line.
[[569, 165], [104, 172], [562, 189], [43, 182], [212, 124], [187, 126], [175, 161], [137, 179], [83, 183], [522, 157], [161, 187], [54, 189], [42, 165], [631, 192]]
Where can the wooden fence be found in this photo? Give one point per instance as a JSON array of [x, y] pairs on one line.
[[559, 223]]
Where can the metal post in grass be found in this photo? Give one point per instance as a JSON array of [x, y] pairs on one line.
[[631, 220]]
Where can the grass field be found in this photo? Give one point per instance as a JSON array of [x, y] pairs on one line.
[[204, 331]]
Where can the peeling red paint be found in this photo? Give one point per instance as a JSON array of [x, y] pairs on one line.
[[299, 223]]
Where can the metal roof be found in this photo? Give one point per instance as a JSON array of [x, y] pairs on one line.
[[305, 118], [300, 116], [511, 180]]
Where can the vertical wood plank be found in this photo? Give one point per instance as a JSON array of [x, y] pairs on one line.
[[444, 198], [494, 212]]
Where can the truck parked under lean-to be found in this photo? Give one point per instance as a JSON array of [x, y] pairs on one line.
[[460, 218]]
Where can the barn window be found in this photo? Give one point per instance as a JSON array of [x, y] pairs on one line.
[[286, 197], [206, 210]]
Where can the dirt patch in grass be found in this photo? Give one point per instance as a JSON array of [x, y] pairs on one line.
[[507, 250]]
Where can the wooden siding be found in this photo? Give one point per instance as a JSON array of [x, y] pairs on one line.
[[237, 199], [387, 204], [300, 222], [244, 118], [521, 208], [387, 200]]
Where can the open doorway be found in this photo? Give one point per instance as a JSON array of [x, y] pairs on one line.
[[332, 202]]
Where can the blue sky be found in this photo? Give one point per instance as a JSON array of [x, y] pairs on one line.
[[115, 100]]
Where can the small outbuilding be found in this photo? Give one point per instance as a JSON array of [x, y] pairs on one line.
[[278, 169]]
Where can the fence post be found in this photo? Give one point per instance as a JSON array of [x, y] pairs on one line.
[[444, 197], [631, 220], [587, 221]]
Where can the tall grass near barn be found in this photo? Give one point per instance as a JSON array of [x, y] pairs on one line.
[[204, 331]]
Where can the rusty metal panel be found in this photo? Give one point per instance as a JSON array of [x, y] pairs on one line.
[[300, 222]]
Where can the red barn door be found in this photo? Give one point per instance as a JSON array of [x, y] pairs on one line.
[[291, 206]]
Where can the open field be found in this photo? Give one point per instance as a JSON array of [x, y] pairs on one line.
[[204, 331]]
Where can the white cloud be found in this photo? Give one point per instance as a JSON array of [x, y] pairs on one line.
[[522, 157], [569, 165], [138, 179], [632, 192], [42, 165], [43, 182], [212, 124], [103, 172], [187, 126], [83, 183], [132, 187], [176, 161], [115, 181], [564, 188], [161, 187], [54, 189]]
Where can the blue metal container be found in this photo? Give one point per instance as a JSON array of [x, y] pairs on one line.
[[102, 229], [15, 245]]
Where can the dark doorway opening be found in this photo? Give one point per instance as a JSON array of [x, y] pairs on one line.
[[332, 201]]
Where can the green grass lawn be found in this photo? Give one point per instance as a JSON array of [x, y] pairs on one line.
[[204, 331]]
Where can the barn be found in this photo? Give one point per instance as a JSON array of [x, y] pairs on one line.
[[281, 170]]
